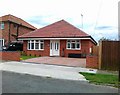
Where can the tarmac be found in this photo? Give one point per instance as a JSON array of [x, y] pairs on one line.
[[46, 70]]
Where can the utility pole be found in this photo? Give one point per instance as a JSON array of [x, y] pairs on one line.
[[82, 20]]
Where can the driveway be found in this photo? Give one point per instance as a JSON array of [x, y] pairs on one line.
[[76, 62]]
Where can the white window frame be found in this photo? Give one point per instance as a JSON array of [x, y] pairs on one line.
[[70, 41], [2, 25], [34, 41], [2, 42]]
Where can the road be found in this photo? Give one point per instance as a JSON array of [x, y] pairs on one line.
[[21, 83]]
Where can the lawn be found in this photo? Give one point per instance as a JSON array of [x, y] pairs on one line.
[[23, 57], [102, 79]]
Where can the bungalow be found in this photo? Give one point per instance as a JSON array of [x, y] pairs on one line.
[[58, 39]]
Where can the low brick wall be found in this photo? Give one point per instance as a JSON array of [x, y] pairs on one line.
[[10, 55], [92, 62]]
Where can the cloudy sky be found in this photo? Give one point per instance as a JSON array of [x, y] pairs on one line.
[[100, 17]]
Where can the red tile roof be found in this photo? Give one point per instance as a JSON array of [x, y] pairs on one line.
[[60, 29], [15, 19]]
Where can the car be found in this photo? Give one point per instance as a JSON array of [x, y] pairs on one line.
[[15, 47]]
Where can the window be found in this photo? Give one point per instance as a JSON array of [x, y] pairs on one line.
[[56, 45], [1, 42], [32, 44], [2, 25], [29, 45], [51, 45], [35, 45], [42, 45], [73, 44]]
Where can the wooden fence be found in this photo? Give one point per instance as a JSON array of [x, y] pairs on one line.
[[108, 53], [95, 50]]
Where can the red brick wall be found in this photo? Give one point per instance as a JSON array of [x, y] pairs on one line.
[[10, 55], [85, 45], [13, 30], [92, 62], [45, 52]]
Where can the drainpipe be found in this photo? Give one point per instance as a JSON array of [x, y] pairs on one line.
[[17, 31]]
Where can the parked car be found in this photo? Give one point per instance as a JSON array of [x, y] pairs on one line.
[[15, 47]]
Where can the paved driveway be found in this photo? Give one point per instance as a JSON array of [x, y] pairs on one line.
[[77, 62]]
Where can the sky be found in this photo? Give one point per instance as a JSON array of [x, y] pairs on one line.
[[99, 17]]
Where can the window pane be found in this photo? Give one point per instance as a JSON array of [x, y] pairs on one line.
[[28, 45], [77, 41], [68, 41], [51, 45], [2, 25], [41, 41], [37, 41], [32, 45], [42, 46], [78, 46], [36, 45], [73, 45], [73, 40], [57, 45], [32, 41], [68, 45]]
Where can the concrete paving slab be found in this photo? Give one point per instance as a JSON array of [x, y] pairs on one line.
[[53, 71]]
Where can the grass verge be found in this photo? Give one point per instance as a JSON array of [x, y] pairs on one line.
[[23, 57], [102, 79]]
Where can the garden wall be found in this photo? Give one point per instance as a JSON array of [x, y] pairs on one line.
[[92, 61], [10, 55]]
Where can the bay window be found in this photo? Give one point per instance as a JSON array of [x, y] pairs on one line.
[[73, 44], [35, 45]]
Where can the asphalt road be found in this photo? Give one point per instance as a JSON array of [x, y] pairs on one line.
[[20, 83]]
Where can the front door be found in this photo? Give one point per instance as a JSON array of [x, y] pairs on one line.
[[54, 48]]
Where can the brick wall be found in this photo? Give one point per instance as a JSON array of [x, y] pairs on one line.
[[45, 52], [85, 45], [10, 55], [13, 31], [92, 62]]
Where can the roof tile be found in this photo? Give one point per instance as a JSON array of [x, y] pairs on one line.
[[16, 20], [57, 29]]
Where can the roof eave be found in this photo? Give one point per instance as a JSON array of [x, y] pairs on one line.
[[52, 38]]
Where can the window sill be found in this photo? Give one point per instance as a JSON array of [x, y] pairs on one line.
[[73, 49], [36, 49]]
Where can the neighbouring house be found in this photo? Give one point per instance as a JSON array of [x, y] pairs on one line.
[[58, 39], [11, 27]]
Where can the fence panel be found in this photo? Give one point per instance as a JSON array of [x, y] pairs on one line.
[[95, 50], [109, 55]]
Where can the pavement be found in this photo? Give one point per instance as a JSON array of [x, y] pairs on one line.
[[76, 62], [45, 70]]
